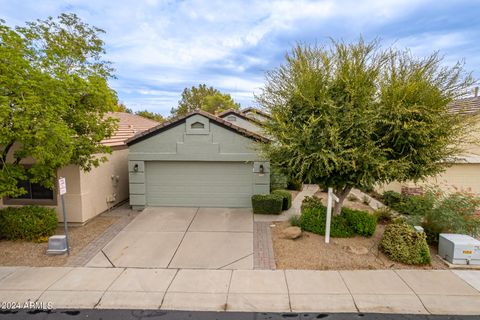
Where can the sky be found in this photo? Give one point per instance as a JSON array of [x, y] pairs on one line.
[[159, 47]]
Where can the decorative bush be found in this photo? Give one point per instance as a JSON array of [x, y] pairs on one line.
[[415, 205], [313, 220], [361, 222], [384, 215], [452, 213], [295, 185], [403, 244], [311, 202], [27, 223], [391, 198], [287, 198], [267, 203]]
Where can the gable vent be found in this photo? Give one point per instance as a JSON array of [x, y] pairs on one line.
[[197, 125]]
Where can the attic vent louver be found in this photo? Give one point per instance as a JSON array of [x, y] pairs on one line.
[[197, 125]]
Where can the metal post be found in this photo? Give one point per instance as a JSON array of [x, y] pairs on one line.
[[65, 227]]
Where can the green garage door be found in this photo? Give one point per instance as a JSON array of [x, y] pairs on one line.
[[199, 184]]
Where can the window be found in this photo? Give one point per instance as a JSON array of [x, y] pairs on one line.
[[231, 118], [36, 194], [197, 125]]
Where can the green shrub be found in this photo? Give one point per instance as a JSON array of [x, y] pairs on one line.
[[391, 198], [267, 203], [403, 244], [294, 185], [384, 214], [311, 202], [415, 205], [27, 223], [361, 222], [295, 221], [453, 213], [287, 198], [313, 219]]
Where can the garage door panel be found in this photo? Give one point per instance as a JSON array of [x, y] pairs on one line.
[[204, 184]]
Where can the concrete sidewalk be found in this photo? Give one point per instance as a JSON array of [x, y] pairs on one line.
[[385, 291]]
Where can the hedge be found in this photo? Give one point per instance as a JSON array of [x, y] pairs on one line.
[[347, 224], [267, 203], [361, 222], [27, 223], [402, 243], [287, 198]]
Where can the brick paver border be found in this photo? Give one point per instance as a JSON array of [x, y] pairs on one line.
[[263, 256]]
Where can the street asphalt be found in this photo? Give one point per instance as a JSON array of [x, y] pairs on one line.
[[186, 315]]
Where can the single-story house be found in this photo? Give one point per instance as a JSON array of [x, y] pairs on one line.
[[90, 193], [198, 160], [256, 114], [463, 172]]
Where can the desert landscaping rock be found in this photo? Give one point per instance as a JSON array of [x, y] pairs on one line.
[[292, 232], [360, 250]]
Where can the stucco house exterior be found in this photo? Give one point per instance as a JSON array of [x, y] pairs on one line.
[[248, 122], [90, 193], [198, 160], [464, 171]]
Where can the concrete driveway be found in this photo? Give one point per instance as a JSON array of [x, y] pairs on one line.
[[197, 238]]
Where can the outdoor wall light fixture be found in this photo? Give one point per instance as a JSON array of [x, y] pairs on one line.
[[262, 169], [135, 167]]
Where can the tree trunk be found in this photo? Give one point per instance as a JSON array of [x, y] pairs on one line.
[[341, 194], [4, 154]]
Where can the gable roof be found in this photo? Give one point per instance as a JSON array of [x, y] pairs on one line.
[[239, 114], [465, 106], [128, 126], [257, 111], [176, 121]]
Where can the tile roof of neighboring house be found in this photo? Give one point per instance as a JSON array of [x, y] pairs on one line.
[[240, 114], [257, 111], [466, 106], [175, 121], [128, 126]]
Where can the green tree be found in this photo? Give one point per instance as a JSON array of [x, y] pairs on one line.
[[151, 115], [121, 107], [54, 97], [204, 98], [353, 115]]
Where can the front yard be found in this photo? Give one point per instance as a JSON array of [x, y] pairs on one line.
[[358, 252], [27, 253]]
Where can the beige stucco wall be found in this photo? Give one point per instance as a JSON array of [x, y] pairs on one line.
[[104, 186], [88, 192], [457, 177]]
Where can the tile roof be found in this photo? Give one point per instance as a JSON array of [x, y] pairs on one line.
[[257, 111], [128, 126], [175, 121], [465, 106], [240, 114]]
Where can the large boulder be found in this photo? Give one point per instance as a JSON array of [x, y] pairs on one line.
[[292, 232]]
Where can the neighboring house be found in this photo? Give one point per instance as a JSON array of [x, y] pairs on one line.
[[256, 114], [464, 172], [90, 193], [242, 120], [198, 160]]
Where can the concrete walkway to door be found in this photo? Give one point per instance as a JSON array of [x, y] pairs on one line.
[[195, 238]]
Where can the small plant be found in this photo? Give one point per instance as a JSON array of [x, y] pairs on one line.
[[287, 198], [295, 221], [402, 243], [352, 198], [267, 203], [384, 215], [294, 185], [366, 200], [32, 223], [313, 220], [391, 198], [311, 202]]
